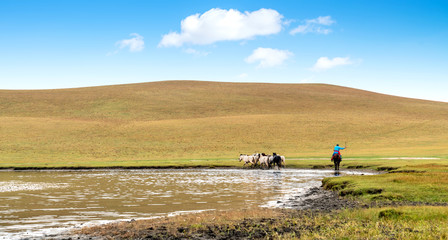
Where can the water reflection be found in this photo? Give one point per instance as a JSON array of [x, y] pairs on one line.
[[36, 202]]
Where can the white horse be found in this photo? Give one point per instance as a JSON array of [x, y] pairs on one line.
[[246, 159], [256, 158], [250, 159], [283, 161], [264, 160], [270, 160]]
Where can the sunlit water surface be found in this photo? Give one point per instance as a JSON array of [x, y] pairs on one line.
[[35, 203]]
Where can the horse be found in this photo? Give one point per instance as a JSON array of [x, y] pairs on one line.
[[249, 159], [256, 158], [336, 159], [276, 160], [264, 160], [246, 159], [283, 161]]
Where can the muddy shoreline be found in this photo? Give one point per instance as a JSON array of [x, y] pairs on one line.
[[318, 199]]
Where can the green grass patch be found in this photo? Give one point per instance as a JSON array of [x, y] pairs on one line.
[[428, 187], [383, 223]]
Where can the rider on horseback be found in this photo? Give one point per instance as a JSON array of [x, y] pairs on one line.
[[337, 150]]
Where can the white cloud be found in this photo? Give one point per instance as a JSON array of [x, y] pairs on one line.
[[243, 75], [324, 63], [288, 22], [314, 26], [268, 57], [195, 52], [224, 25], [135, 44], [327, 21], [307, 80]]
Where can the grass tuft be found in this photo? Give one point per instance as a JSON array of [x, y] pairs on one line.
[[389, 213]]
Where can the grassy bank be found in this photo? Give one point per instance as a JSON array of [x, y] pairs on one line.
[[412, 181]]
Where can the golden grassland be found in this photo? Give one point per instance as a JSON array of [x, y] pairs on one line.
[[186, 122]]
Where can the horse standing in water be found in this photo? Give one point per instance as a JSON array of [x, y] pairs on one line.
[[336, 159], [276, 160]]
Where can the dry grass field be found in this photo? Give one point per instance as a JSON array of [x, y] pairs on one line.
[[176, 122]]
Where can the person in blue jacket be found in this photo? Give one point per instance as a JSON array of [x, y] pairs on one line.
[[337, 150]]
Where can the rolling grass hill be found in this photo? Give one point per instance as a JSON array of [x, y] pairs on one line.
[[143, 124]]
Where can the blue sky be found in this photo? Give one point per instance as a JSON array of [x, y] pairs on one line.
[[392, 47]]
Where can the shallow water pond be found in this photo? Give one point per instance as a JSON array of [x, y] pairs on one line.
[[35, 203]]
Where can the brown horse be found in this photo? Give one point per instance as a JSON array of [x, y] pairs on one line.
[[336, 158]]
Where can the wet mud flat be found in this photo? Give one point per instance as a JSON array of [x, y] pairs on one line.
[[247, 228], [318, 199], [325, 201]]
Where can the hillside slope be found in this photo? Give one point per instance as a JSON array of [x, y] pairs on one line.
[[212, 120]]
